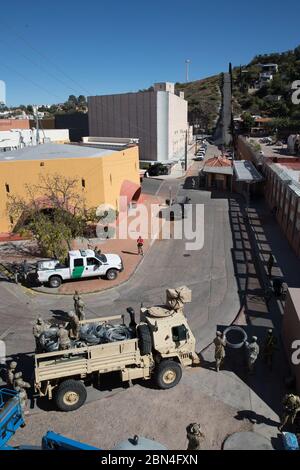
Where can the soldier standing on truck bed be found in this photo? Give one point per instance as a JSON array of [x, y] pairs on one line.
[[220, 343], [74, 325], [38, 328], [63, 338]]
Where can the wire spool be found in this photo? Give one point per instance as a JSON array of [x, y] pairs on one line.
[[237, 336]]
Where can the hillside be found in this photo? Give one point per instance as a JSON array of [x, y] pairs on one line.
[[204, 100], [274, 97]]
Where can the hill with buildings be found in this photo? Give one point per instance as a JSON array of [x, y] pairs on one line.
[[264, 87], [204, 100]]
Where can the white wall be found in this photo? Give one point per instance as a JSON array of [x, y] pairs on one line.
[[178, 125], [162, 105]]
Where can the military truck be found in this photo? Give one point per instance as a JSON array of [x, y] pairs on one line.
[[160, 347]]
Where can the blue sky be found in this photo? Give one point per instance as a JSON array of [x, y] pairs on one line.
[[49, 50]]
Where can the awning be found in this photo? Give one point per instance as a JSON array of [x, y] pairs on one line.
[[246, 172], [130, 192]]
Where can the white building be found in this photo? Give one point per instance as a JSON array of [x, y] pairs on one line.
[[157, 117]]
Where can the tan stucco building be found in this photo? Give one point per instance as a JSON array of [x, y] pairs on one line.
[[103, 174]]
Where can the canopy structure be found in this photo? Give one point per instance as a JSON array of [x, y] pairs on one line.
[[246, 172]]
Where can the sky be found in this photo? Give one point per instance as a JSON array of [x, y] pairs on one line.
[[49, 50]]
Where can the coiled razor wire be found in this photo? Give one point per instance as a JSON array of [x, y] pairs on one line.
[[90, 334]]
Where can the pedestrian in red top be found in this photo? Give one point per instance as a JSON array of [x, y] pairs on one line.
[[140, 244]]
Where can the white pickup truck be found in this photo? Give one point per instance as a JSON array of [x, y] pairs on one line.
[[79, 264]]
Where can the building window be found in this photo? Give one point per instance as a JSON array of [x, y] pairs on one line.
[[110, 177], [42, 164], [7, 187], [11, 219], [83, 182]]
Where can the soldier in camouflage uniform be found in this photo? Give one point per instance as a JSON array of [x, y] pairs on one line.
[[19, 382], [269, 348], [195, 436], [220, 343], [63, 338], [74, 325], [252, 351], [291, 406], [38, 328], [80, 309], [10, 374], [76, 297]]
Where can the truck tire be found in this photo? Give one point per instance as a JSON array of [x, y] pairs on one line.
[[168, 374], [70, 395], [111, 274], [144, 339], [55, 281]]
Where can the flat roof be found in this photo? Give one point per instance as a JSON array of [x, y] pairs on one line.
[[246, 171], [53, 152]]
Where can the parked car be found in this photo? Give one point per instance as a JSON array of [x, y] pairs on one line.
[[158, 169]]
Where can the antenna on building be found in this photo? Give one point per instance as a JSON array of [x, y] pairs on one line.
[[187, 64]]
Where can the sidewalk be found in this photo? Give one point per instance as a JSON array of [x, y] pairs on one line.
[[126, 248], [258, 397]]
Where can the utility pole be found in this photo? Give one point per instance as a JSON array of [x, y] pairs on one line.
[[186, 151], [187, 64]]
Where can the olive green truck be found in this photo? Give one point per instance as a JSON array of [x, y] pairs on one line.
[[161, 346]]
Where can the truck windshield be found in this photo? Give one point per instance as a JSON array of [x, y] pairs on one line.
[[102, 258]]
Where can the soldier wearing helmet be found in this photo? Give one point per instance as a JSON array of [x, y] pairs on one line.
[[195, 436], [10, 374], [220, 343]]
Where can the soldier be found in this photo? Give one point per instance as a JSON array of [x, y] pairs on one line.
[[194, 436], [220, 343], [80, 309], [269, 348], [19, 382], [270, 264], [291, 406], [76, 297], [63, 338], [252, 350], [38, 328], [10, 374], [74, 325], [23, 399]]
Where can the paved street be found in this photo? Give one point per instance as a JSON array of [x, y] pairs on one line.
[[216, 274]]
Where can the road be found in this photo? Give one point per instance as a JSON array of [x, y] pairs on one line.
[[209, 272]]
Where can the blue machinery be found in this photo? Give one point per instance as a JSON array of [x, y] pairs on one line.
[[11, 419]]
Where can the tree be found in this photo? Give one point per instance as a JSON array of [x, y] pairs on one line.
[[248, 121], [54, 212]]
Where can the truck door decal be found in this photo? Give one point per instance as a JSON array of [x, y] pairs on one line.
[[78, 268]]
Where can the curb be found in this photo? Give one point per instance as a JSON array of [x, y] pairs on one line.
[[102, 290]]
